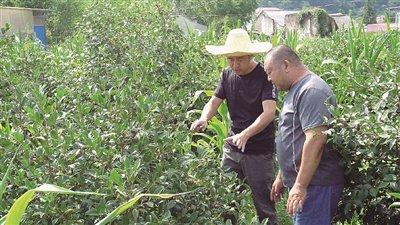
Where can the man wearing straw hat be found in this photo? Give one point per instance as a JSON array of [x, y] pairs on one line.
[[251, 100]]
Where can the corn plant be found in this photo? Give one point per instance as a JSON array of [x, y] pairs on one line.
[[355, 34], [17, 210], [292, 39], [125, 206], [275, 39], [395, 204], [364, 46], [373, 47], [219, 126]]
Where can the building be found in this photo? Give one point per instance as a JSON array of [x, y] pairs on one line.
[[24, 21], [309, 25], [379, 27], [380, 19], [398, 20], [266, 9], [272, 20], [395, 9], [342, 20]]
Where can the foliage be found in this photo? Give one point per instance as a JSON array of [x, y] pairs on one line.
[[125, 206], [107, 111], [219, 125], [332, 6], [17, 210], [292, 39], [217, 10], [369, 13], [363, 71], [42, 4], [58, 25], [325, 25], [397, 196], [4, 181]]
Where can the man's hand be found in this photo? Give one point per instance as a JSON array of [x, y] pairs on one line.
[[199, 125], [311, 156], [297, 196], [239, 140], [277, 190]]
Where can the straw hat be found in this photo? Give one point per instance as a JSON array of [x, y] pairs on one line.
[[238, 43]]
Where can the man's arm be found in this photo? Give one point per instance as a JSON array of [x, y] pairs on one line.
[[211, 108], [208, 112], [310, 159], [277, 188], [262, 121]]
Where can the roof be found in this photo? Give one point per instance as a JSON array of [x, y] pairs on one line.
[[279, 16], [266, 9], [378, 27], [20, 8], [394, 7], [337, 14]]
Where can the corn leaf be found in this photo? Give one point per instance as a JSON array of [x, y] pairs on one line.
[[395, 205], [122, 208], [3, 220], [396, 195], [17, 210]]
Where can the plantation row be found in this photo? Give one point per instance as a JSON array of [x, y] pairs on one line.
[[108, 110]]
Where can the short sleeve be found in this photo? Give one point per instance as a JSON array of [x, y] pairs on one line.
[[219, 91], [269, 91], [313, 107]]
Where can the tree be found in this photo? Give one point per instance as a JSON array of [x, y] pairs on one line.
[[63, 18], [369, 13], [217, 10], [27, 3], [331, 6]]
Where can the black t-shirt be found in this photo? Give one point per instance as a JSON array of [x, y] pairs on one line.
[[244, 95]]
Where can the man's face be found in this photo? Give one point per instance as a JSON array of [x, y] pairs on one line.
[[241, 65], [276, 74]]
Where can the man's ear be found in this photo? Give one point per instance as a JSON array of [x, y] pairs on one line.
[[286, 64]]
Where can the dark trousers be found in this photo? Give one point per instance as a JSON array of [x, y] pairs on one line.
[[258, 172]]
